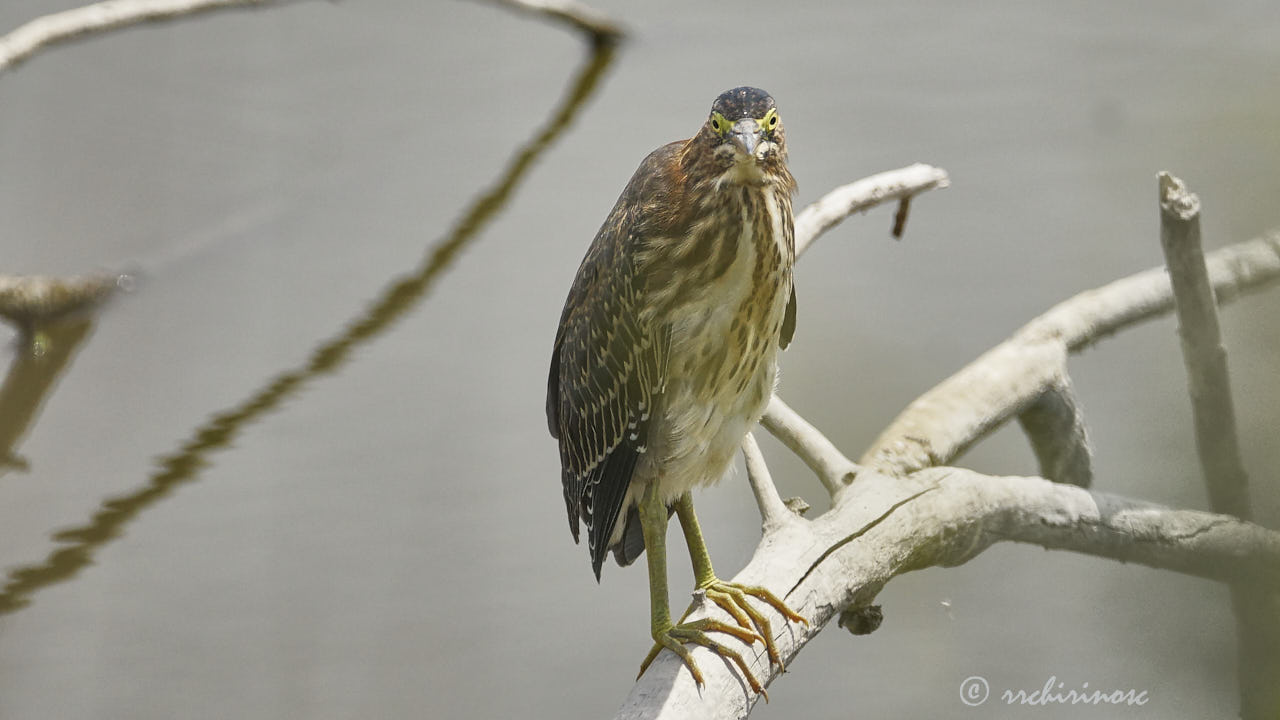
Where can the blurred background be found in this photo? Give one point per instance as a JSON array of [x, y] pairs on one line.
[[223, 515]]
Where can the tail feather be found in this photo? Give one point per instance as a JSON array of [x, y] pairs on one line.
[[627, 550]]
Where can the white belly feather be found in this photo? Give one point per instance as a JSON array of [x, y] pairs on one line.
[[703, 424]]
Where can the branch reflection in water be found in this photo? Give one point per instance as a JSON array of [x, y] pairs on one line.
[[400, 296]]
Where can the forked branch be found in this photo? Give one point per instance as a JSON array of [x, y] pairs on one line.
[[941, 517], [900, 511], [945, 421]]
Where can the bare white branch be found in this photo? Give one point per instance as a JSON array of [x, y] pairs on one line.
[[942, 423], [598, 25], [1092, 315], [1217, 444], [1202, 350], [946, 420], [903, 512], [30, 301], [820, 454], [773, 512], [1054, 424], [942, 517], [831, 209], [24, 41]]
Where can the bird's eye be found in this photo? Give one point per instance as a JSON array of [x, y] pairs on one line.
[[719, 124], [773, 121]]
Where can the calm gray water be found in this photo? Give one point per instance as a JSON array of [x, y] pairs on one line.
[[234, 509]]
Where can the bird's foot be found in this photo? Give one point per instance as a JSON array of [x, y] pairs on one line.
[[752, 625], [673, 637], [732, 597]]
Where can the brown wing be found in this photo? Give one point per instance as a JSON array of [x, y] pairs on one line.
[[608, 368], [788, 321]]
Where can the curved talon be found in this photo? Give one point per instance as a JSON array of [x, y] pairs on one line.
[[674, 637], [734, 602], [743, 614], [767, 596], [751, 626], [732, 597]]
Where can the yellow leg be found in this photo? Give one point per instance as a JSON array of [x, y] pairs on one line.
[[752, 625], [653, 523], [730, 596]]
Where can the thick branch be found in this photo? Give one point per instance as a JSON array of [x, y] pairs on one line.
[[943, 517], [945, 421], [941, 424], [23, 42], [1206, 545], [1096, 314], [1055, 426]]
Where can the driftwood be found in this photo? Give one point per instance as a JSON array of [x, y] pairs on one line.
[[901, 507], [1257, 608]]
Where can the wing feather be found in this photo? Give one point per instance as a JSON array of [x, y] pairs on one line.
[[788, 321], [608, 368]]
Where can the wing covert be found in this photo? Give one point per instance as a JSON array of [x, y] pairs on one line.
[[608, 367]]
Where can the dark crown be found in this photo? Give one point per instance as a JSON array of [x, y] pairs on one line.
[[743, 102]]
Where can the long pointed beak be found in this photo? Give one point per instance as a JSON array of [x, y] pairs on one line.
[[746, 135]]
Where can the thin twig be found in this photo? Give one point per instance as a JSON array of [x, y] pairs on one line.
[[394, 301], [32, 376], [46, 30], [833, 469], [773, 512], [831, 209], [599, 26], [900, 217]]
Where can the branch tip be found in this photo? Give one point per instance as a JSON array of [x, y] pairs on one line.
[[900, 217], [1175, 199]]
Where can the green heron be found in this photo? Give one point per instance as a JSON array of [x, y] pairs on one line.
[[666, 355]]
